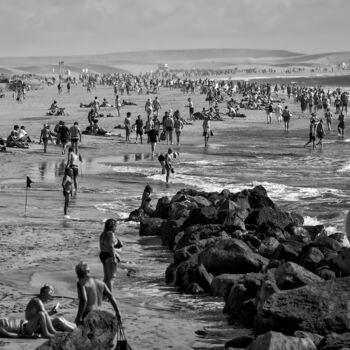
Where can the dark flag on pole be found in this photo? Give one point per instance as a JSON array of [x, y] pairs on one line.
[[29, 181]]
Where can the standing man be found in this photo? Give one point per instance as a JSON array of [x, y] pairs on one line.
[[127, 124], [278, 113], [168, 126], [45, 136], [139, 128], [190, 108], [286, 117], [178, 125], [75, 136], [156, 106], [64, 136], [72, 163]]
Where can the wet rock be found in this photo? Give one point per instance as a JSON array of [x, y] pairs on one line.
[[222, 284], [291, 275], [204, 215], [319, 308], [325, 273], [231, 256], [310, 258], [169, 229], [199, 232], [335, 342], [324, 243], [239, 342], [279, 341], [97, 333], [136, 215], [342, 262], [240, 302], [170, 273], [178, 210], [194, 288], [268, 247], [258, 198], [162, 208], [315, 231], [150, 226], [200, 201], [299, 233], [315, 338], [288, 251]]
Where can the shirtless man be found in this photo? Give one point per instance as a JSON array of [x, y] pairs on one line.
[[75, 136], [45, 136], [90, 293], [72, 163]]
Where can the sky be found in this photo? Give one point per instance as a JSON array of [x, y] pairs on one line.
[[81, 27]]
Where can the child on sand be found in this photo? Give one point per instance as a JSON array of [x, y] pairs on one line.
[[67, 183]]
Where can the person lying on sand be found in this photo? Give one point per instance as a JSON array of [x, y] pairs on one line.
[[91, 292]]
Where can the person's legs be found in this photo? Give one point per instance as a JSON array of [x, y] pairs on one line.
[[109, 271], [66, 202], [39, 320], [75, 174], [171, 136], [46, 141], [167, 174]]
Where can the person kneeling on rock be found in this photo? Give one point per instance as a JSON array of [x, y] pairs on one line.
[[91, 292], [146, 201]]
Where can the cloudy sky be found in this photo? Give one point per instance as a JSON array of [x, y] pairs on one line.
[[74, 27]]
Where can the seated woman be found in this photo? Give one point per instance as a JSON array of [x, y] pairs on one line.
[[105, 103], [146, 201], [97, 130], [23, 135]]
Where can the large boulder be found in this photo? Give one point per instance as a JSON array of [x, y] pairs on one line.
[[258, 198], [291, 275], [162, 208], [240, 301], [169, 229], [203, 215], [178, 210], [273, 216], [279, 341], [319, 307], [150, 226], [288, 251], [335, 342], [268, 247], [310, 257], [222, 284], [198, 232], [342, 261], [231, 256], [97, 333], [200, 201]]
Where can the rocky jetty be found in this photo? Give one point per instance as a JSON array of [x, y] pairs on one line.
[[287, 281]]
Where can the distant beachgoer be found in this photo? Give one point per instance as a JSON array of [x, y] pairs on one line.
[[75, 136], [153, 138], [148, 107], [320, 133], [45, 136], [67, 185], [206, 130], [190, 108], [59, 88], [269, 111], [64, 136], [178, 125], [156, 106], [278, 113], [328, 116], [91, 117], [139, 128], [96, 104], [146, 201], [90, 293], [344, 100], [108, 254], [72, 163], [286, 117], [68, 88], [312, 134], [341, 125], [166, 162], [127, 124], [168, 126], [118, 104]]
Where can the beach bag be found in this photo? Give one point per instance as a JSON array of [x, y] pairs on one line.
[[211, 133], [122, 343], [162, 136]]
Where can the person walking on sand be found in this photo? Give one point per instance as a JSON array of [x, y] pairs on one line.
[[286, 118], [127, 125], [328, 116], [278, 113], [45, 136], [64, 136], [139, 128], [206, 130], [75, 136], [168, 125], [156, 106], [178, 125], [118, 104], [148, 107], [341, 124], [320, 133], [190, 108], [153, 138], [90, 293], [312, 134], [166, 163], [67, 183], [269, 111], [108, 252], [72, 163]]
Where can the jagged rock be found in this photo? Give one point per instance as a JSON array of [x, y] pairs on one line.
[[274, 216], [233, 219], [315, 231], [291, 275], [178, 210], [240, 302], [279, 341], [324, 242], [258, 198], [162, 208], [195, 233], [200, 201], [335, 342], [310, 258], [288, 251], [268, 247], [203, 215], [194, 288], [315, 338], [97, 333], [169, 229], [136, 215], [222, 284], [320, 308], [325, 273], [239, 342], [231, 256], [150, 226], [299, 233], [342, 261], [170, 273]]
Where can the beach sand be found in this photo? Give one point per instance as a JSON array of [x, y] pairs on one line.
[[37, 250]]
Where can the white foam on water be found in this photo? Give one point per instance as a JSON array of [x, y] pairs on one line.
[[345, 168], [136, 170]]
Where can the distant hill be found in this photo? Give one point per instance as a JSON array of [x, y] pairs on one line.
[[184, 59]]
